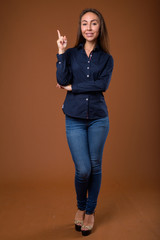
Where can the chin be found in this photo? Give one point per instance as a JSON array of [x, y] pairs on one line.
[[90, 39]]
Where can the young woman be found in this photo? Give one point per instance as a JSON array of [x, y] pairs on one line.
[[84, 71]]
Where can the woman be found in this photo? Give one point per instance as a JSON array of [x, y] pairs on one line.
[[84, 71]]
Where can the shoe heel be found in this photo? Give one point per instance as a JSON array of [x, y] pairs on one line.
[[86, 233], [78, 227]]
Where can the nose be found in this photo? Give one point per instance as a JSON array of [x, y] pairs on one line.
[[89, 26]]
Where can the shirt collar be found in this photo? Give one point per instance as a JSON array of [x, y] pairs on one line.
[[81, 45]]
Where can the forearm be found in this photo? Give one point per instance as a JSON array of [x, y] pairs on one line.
[[63, 72], [100, 85]]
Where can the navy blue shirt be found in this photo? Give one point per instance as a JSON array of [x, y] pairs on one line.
[[89, 77]]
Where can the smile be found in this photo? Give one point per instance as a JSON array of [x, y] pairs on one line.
[[89, 34]]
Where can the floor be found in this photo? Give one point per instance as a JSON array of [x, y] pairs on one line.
[[46, 212]]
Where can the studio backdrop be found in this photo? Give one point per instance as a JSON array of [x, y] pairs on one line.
[[33, 145]]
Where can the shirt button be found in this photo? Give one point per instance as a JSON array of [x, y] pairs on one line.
[[86, 99], [59, 62], [87, 67], [87, 75], [88, 61]]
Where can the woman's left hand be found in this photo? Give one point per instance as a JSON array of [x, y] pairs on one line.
[[68, 87]]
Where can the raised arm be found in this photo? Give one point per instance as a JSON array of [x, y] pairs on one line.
[[63, 73]]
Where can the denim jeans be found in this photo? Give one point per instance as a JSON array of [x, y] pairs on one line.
[[86, 139]]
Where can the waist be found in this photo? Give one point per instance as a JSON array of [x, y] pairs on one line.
[[85, 106]]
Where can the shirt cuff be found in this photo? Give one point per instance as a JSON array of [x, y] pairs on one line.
[[74, 88], [61, 57]]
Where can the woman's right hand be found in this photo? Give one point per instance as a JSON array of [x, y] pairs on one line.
[[61, 43]]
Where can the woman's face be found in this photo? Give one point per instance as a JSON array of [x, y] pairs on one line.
[[90, 25]]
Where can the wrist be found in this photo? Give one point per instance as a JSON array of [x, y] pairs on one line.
[[61, 51]]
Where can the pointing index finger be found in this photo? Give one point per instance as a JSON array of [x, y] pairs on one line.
[[59, 35]]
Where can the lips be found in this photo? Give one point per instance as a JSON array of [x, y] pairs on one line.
[[89, 34]]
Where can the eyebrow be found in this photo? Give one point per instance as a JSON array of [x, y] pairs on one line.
[[91, 20]]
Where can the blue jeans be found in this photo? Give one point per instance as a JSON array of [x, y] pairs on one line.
[[86, 139]]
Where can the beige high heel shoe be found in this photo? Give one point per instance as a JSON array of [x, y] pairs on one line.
[[88, 228], [78, 223]]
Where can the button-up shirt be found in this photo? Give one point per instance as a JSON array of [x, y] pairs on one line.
[[89, 77]]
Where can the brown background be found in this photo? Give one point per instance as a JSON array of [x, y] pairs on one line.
[[33, 146], [32, 140]]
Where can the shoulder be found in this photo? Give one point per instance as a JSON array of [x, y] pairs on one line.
[[104, 57], [72, 53], [72, 50], [109, 58]]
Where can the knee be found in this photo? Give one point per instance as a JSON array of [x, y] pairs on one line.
[[83, 173], [96, 166]]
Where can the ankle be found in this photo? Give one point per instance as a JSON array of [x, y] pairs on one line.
[[88, 213], [89, 218], [80, 214]]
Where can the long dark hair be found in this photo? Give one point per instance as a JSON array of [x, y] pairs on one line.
[[103, 38]]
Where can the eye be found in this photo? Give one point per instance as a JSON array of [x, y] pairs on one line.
[[84, 24], [94, 23]]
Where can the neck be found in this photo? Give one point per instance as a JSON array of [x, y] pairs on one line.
[[89, 45]]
